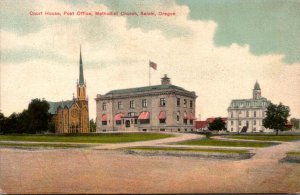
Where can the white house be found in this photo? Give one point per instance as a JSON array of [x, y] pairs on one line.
[[246, 115]]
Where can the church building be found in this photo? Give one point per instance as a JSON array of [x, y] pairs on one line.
[[72, 116]]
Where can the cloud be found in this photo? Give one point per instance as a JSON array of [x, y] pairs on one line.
[[266, 26], [116, 54]]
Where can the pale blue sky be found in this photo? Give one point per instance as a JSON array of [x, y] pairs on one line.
[[217, 48]]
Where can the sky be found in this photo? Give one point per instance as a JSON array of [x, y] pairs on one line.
[[218, 49]]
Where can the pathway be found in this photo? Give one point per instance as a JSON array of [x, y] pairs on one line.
[[179, 137]]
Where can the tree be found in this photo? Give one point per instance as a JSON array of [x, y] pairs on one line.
[[2, 121], [276, 117], [295, 122], [92, 125], [38, 115], [23, 122], [217, 124]]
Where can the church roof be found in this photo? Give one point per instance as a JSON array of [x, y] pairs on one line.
[[256, 86], [54, 105], [250, 103], [81, 78], [145, 89]]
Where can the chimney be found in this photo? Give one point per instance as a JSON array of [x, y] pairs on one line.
[[165, 80]]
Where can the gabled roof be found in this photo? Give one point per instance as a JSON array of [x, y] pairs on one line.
[[54, 105], [201, 124], [144, 89]]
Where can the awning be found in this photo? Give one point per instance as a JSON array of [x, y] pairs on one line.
[[162, 115], [104, 117], [192, 117], [185, 116], [144, 115], [119, 116]]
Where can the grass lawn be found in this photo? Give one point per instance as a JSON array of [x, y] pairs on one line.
[[294, 153], [293, 157], [90, 138], [211, 142], [29, 145], [190, 150], [267, 137]]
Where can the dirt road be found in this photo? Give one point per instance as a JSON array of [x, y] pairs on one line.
[[113, 171]]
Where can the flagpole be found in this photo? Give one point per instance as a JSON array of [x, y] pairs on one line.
[[149, 74]]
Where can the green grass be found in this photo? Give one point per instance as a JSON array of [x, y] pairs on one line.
[[28, 145], [190, 150], [211, 142], [294, 153], [267, 137], [92, 138]]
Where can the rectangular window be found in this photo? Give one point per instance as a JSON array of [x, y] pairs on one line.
[[231, 122], [144, 103], [254, 122], [104, 122], [191, 122], [184, 103], [231, 114], [247, 113], [191, 104], [162, 102], [118, 122], [131, 104], [162, 121], [178, 101], [120, 106], [254, 114], [103, 106], [145, 121], [185, 121], [131, 113]]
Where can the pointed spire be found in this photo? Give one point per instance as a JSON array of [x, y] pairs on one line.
[[256, 86], [81, 79]]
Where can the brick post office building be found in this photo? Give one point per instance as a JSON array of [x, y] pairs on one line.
[[164, 107]]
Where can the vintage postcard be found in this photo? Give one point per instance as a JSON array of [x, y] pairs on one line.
[[136, 96]]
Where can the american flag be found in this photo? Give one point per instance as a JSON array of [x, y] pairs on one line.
[[153, 65]]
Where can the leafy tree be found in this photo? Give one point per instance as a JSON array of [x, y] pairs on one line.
[[276, 117], [23, 122], [38, 115], [217, 124], [2, 121], [295, 122], [11, 123], [92, 125]]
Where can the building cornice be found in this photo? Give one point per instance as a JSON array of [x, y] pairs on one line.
[[145, 94]]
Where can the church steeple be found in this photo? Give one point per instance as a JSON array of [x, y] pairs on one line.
[[81, 78], [81, 85]]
